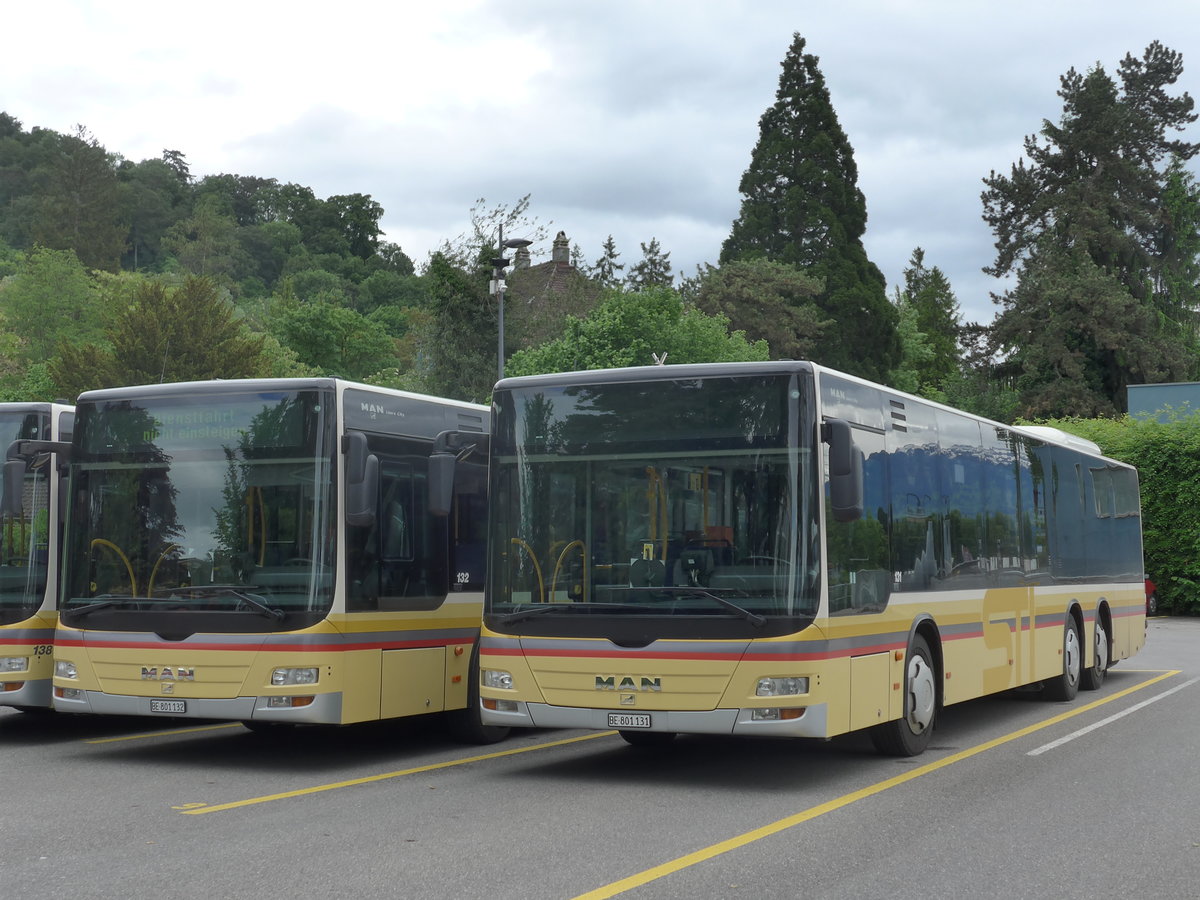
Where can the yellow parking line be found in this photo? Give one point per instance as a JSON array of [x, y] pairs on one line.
[[699, 856], [219, 807], [149, 734]]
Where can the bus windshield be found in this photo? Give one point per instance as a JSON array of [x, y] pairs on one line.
[[691, 500], [25, 539], [219, 503]]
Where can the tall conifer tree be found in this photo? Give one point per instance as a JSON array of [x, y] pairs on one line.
[[801, 205], [934, 314], [1082, 222]]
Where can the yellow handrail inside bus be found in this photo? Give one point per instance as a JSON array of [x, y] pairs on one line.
[[101, 542], [656, 496], [558, 566], [251, 495], [157, 563], [536, 568]]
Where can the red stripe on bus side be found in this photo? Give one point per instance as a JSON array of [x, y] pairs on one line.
[[292, 648]]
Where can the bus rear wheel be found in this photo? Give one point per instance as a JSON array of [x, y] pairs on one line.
[[1066, 686], [910, 735], [1093, 675]]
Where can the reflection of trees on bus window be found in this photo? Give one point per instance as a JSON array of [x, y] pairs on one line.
[[403, 560]]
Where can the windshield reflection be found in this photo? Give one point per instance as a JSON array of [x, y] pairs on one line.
[[182, 510]]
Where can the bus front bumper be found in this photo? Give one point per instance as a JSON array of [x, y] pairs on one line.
[[811, 724], [31, 693], [325, 709]]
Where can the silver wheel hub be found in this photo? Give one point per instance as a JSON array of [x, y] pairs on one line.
[[922, 694], [1101, 647], [1072, 656]]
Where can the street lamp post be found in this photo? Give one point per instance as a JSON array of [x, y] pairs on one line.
[[498, 287]]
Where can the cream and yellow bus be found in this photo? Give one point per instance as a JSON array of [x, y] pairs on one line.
[[264, 552], [780, 549], [30, 537]]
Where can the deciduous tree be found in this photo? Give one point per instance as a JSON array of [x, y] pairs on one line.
[[79, 208], [769, 301], [633, 329]]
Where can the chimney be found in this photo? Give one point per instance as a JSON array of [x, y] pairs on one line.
[[562, 249], [521, 259]]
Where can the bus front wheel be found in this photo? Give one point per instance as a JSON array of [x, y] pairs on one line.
[[1066, 686], [910, 735], [466, 725]]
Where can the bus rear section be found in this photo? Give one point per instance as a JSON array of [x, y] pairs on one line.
[[30, 537], [264, 551], [776, 549]]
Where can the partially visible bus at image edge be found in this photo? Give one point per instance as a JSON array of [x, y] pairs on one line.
[[30, 542], [780, 549]]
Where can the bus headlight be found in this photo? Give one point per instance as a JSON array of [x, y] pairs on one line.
[[64, 669], [495, 678], [307, 675], [782, 687], [14, 663]]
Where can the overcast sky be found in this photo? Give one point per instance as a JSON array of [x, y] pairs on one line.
[[635, 119]]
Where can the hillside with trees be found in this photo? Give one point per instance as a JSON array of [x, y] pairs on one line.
[[114, 271]]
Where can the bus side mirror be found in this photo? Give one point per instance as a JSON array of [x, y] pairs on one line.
[[448, 448], [441, 483], [362, 480], [14, 487], [845, 471]]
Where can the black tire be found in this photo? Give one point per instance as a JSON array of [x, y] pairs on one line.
[[1093, 675], [1152, 604], [1065, 686], [650, 740], [910, 734], [465, 724]]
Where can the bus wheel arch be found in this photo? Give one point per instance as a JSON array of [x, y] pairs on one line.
[[466, 724], [1092, 676], [910, 734]]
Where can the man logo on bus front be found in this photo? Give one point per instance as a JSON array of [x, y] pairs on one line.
[[627, 683]]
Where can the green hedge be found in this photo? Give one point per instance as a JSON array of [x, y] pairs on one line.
[[1167, 457]]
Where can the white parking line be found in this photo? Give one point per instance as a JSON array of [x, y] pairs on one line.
[[1082, 731]]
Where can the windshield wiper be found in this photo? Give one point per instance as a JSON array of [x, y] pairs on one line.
[[103, 601], [255, 601], [541, 608], [752, 617]]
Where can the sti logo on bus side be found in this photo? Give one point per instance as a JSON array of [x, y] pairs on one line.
[[168, 673], [627, 683]]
